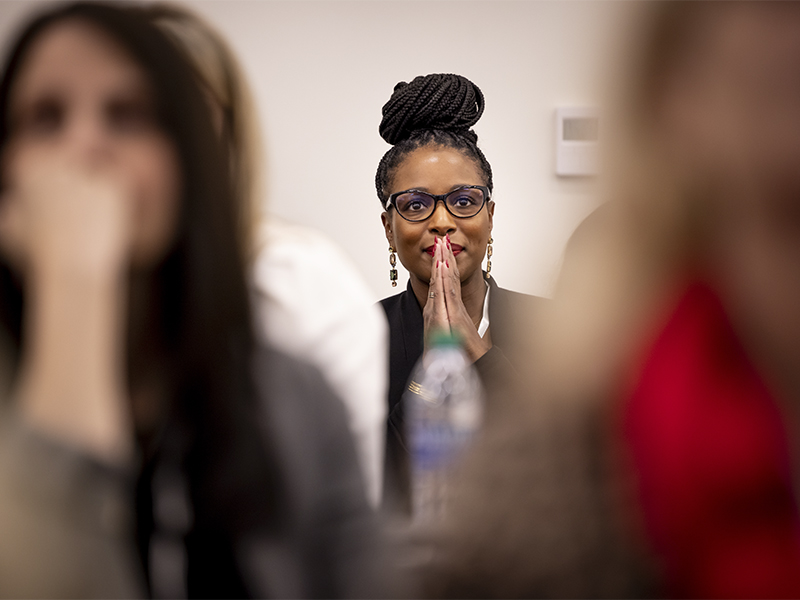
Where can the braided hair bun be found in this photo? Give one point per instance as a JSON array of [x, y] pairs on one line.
[[437, 110], [440, 101]]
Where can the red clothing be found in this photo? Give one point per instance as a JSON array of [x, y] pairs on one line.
[[712, 461]]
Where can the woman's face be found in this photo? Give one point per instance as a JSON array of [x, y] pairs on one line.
[[438, 170], [80, 99]]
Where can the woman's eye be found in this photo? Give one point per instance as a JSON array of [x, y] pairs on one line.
[[415, 205], [129, 116], [40, 118], [463, 201]]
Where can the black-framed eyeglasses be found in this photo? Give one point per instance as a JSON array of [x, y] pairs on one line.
[[462, 203]]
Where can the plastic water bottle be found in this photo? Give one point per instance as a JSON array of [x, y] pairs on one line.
[[444, 409]]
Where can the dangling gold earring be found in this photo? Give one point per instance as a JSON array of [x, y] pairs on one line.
[[392, 262], [489, 258]]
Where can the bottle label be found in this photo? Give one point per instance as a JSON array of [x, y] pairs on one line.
[[434, 445]]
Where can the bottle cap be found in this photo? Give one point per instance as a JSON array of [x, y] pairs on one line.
[[443, 337]]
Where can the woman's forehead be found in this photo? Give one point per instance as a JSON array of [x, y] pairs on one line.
[[75, 56], [436, 169]]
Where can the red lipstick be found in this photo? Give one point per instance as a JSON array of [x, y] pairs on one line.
[[454, 247]]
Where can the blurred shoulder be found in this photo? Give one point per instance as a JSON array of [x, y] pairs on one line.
[[294, 389], [300, 258], [402, 309], [516, 301], [307, 424], [392, 302], [276, 234]]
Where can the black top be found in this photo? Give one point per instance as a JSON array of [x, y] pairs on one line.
[[509, 313]]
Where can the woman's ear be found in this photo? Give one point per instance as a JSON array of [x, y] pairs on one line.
[[490, 210], [387, 226]]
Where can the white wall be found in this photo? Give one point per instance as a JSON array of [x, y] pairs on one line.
[[321, 71]]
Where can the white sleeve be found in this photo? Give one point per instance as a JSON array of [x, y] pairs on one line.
[[311, 303]]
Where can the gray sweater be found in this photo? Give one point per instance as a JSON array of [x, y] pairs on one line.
[[68, 524]]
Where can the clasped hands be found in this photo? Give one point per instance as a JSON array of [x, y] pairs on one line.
[[445, 308]]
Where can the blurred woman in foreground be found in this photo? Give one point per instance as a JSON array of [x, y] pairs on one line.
[[125, 319], [661, 454]]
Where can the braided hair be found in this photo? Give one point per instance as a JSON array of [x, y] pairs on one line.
[[437, 109]]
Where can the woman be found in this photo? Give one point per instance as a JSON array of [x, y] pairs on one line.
[[344, 333], [125, 315], [435, 157]]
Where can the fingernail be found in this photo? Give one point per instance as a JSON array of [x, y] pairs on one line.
[[447, 262], [437, 263]]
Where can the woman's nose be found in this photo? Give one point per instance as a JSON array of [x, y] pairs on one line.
[[89, 138], [441, 221]]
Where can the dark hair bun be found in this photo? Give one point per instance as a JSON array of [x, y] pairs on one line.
[[440, 101]]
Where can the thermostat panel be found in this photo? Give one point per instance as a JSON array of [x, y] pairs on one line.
[[577, 131]]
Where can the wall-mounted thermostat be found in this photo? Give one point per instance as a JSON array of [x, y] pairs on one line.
[[576, 141]]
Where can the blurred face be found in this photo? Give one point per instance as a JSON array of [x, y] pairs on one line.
[[438, 170], [732, 114], [79, 99]]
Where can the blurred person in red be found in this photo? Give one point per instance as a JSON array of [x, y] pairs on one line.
[[148, 444], [712, 420], [658, 451]]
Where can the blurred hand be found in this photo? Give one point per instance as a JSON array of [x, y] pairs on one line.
[[61, 215], [65, 225]]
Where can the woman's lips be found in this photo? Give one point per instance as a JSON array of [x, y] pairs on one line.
[[455, 247]]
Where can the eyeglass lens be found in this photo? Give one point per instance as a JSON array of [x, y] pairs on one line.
[[417, 206]]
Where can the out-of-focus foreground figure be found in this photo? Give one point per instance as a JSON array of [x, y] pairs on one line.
[[309, 299], [659, 453], [147, 443]]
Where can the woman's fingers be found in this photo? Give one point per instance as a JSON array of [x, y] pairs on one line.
[[434, 263], [452, 283], [458, 317], [439, 290], [451, 260], [451, 294], [435, 311], [436, 293], [67, 213]]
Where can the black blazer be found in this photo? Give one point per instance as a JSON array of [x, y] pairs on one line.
[[509, 313]]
